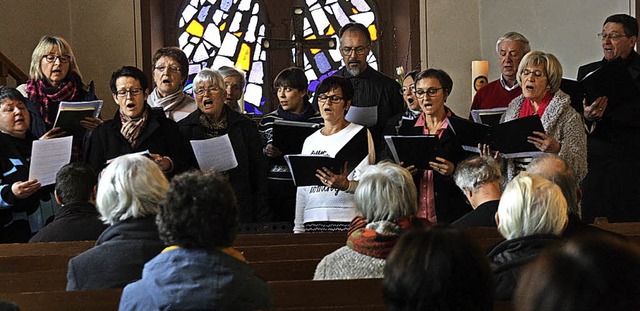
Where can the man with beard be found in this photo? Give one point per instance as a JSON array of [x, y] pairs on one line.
[[376, 96]]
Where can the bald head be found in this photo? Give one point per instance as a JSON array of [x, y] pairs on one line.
[[555, 169]]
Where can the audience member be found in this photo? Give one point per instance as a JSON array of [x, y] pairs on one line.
[[199, 270], [480, 180], [234, 83], [386, 201], [129, 191], [595, 273], [78, 219], [437, 269], [531, 215], [170, 73]]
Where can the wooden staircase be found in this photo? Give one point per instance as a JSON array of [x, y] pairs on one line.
[[9, 68]]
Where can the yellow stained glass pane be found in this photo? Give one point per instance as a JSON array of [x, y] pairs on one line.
[[244, 57], [373, 32], [237, 34], [313, 51], [223, 26], [330, 31], [354, 11], [195, 29]]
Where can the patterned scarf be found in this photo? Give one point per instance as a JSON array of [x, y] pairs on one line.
[[131, 127], [46, 98], [377, 238], [168, 103], [215, 128]]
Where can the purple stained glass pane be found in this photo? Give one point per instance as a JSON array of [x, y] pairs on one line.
[[203, 13], [322, 63], [225, 5]]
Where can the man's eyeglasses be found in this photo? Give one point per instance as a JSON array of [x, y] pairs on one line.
[[333, 99], [613, 36], [405, 89], [212, 89], [171, 68], [52, 58], [360, 50], [133, 91], [431, 92], [536, 73]]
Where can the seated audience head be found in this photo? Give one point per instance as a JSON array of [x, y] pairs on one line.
[[199, 211], [12, 101], [597, 272], [75, 182], [386, 192], [437, 269], [545, 62], [130, 187], [170, 70], [555, 169], [291, 86], [476, 172], [531, 205], [234, 83]]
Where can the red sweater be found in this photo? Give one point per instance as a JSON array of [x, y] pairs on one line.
[[493, 95]]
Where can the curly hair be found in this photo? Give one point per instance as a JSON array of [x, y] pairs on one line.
[[199, 211]]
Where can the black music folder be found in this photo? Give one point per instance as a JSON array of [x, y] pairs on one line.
[[289, 136], [488, 116], [416, 150]]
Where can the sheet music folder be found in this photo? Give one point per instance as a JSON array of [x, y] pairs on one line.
[[488, 116], [416, 150], [289, 136], [71, 113], [510, 138]]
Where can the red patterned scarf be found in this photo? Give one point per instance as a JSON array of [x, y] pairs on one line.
[[366, 238], [47, 98], [131, 127]]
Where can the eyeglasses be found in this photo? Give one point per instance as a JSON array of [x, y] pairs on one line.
[[431, 92], [613, 36], [133, 91], [52, 58], [333, 99], [536, 73], [360, 50], [212, 89], [405, 89], [171, 68]]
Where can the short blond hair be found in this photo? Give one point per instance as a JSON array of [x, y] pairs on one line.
[[552, 68], [43, 48]]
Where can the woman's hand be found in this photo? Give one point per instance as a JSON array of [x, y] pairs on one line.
[[485, 151], [443, 166], [272, 151], [329, 179], [23, 189], [596, 109], [411, 168], [544, 142], [53, 133], [163, 162], [90, 123]]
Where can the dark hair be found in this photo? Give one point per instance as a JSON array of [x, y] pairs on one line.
[[177, 54], [75, 183], [7, 92], [129, 71], [336, 82], [357, 28], [629, 23], [292, 77], [437, 269], [199, 211], [445, 80], [593, 272], [413, 74]]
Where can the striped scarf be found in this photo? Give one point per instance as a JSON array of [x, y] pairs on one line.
[[47, 98], [375, 239], [131, 127]]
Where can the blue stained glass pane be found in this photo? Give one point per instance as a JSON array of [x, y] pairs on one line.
[[322, 63], [203, 13], [225, 5], [249, 108], [313, 85]]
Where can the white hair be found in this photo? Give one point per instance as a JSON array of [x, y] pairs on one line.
[[473, 172], [208, 75], [130, 187]]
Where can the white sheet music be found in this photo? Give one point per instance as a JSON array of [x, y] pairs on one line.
[[367, 116], [215, 153], [47, 157]]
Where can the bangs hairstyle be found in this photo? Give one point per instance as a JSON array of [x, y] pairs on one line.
[[44, 47], [531, 205], [227, 71], [445, 80], [336, 82], [473, 172], [292, 77], [130, 187], [7, 92], [176, 54], [129, 71], [386, 192], [551, 65], [211, 76]]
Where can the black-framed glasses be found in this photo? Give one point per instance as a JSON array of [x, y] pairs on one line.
[[171, 68], [133, 91], [333, 99], [431, 92], [536, 73], [52, 58], [211, 89], [613, 36], [360, 50], [410, 88]]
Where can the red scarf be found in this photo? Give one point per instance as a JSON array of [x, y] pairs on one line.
[[47, 98], [371, 243], [527, 108]]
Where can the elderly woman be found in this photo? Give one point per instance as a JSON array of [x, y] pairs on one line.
[[129, 192], [291, 84], [539, 76], [531, 215], [19, 195], [212, 119], [199, 270], [138, 128], [234, 83], [386, 201], [329, 207], [170, 73]]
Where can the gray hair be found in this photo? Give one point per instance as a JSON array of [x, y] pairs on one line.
[[208, 75], [531, 205], [43, 48], [386, 192], [555, 169], [227, 71], [473, 172], [516, 37], [130, 187]]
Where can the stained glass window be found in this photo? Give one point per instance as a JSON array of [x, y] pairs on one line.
[[325, 18], [216, 33]]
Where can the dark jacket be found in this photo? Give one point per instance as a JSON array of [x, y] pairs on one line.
[[118, 257], [508, 258], [249, 178], [78, 221], [160, 135], [195, 279], [483, 216]]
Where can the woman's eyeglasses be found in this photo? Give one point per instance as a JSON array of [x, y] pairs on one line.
[[52, 58]]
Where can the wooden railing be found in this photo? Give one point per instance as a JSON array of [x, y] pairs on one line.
[[9, 68]]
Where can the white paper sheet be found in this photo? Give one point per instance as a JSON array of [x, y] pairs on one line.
[[367, 116], [215, 153], [47, 157]]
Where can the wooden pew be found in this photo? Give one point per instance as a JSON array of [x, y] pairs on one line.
[[102, 300]]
